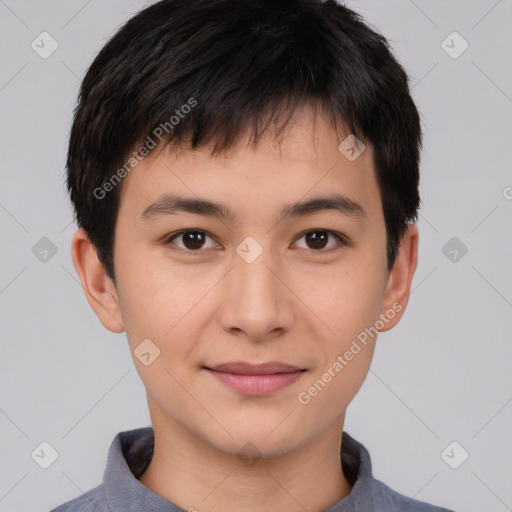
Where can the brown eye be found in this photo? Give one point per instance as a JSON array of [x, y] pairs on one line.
[[318, 239], [192, 240]]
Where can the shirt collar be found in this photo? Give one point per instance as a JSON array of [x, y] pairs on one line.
[[132, 450]]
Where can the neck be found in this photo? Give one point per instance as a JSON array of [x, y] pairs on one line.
[[196, 476]]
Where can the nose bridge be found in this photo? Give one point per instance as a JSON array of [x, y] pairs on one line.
[[257, 302]]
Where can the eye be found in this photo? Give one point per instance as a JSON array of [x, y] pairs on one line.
[[318, 239], [193, 240]]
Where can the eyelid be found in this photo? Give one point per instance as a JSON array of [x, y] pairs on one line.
[[168, 239], [342, 239]]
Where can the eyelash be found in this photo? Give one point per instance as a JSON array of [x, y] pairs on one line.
[[342, 240]]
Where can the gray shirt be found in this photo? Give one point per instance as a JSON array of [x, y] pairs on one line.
[[131, 452]]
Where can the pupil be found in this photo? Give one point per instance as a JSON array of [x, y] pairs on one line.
[[193, 239], [317, 238]]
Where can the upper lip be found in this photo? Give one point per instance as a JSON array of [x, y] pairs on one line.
[[242, 368]]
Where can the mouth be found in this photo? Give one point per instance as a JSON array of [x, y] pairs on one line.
[[256, 380]]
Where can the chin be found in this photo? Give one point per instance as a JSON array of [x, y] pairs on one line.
[[254, 443]]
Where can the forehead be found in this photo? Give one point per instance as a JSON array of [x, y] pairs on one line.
[[307, 161]]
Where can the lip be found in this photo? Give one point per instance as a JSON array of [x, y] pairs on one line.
[[242, 368], [256, 380]]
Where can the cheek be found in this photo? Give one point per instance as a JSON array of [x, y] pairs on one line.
[[165, 305], [346, 300], [348, 303], [329, 390]]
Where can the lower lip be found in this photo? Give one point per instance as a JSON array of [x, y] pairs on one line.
[[257, 385]]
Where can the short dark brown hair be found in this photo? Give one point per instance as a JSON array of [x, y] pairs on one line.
[[245, 64]]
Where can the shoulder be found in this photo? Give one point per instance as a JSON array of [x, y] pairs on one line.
[[91, 501], [390, 500], [368, 493]]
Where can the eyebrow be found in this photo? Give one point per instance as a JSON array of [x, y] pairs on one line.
[[172, 204]]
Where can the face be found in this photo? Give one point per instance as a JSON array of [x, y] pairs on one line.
[[255, 286]]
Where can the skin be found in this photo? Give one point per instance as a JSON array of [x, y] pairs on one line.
[[297, 303]]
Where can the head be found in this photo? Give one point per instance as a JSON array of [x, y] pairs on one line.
[[235, 120]]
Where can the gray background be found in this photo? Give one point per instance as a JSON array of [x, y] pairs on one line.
[[442, 375]]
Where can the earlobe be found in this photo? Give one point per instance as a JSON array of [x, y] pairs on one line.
[[398, 287], [98, 287]]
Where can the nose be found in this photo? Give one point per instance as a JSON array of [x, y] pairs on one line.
[[257, 300]]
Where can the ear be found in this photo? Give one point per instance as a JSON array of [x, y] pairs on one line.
[[99, 289], [398, 286]]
